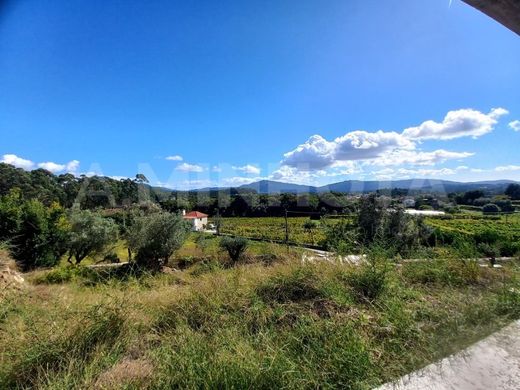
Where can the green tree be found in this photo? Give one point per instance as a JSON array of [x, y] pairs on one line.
[[513, 191], [156, 237], [31, 248], [372, 210], [235, 247], [90, 234], [10, 214]]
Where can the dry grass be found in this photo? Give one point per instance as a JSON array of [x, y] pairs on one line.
[[286, 325]]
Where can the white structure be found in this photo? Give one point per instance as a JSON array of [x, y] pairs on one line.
[[409, 202], [430, 213], [198, 220]]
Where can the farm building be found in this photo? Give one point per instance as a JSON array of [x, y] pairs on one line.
[[198, 220]]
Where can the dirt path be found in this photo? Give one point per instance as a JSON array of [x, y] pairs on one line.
[[492, 363]]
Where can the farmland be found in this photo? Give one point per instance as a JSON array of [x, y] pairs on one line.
[[273, 228], [507, 226]]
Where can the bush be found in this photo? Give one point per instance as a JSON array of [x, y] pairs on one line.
[[488, 236], [490, 208], [235, 247], [509, 248], [340, 237]]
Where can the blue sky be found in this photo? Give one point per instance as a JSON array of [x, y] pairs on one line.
[[303, 91]]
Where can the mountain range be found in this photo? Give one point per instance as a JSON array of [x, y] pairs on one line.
[[358, 186]]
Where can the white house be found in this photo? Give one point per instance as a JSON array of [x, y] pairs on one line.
[[409, 202], [198, 220]]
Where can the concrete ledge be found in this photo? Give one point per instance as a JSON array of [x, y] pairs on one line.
[[492, 363]]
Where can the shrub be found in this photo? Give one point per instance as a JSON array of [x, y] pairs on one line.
[[340, 237], [490, 208], [509, 248], [488, 236], [235, 247]]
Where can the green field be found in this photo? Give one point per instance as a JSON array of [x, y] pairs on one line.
[[508, 226], [273, 228]]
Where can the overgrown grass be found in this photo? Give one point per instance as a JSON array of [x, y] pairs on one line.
[[288, 325]]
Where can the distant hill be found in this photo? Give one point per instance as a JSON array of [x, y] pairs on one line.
[[433, 185], [273, 187], [358, 186]]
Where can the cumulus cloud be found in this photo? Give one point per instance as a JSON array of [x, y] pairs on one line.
[[19, 162], [249, 169], [389, 147], [216, 168], [459, 123], [185, 167], [315, 153], [16, 161], [174, 158], [70, 167], [318, 153], [515, 125]]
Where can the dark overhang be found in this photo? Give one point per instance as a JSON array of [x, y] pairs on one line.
[[506, 12]]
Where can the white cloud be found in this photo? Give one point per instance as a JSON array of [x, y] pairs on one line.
[[216, 168], [185, 167], [294, 175], [401, 157], [52, 167], [508, 168], [194, 184], [318, 153], [18, 162], [174, 158], [315, 153], [239, 180], [459, 123], [249, 169], [389, 147], [403, 173], [362, 145], [515, 125], [71, 166]]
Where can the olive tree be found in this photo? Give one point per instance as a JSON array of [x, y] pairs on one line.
[[235, 247], [156, 237], [90, 234]]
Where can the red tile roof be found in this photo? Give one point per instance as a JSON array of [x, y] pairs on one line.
[[195, 214]]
